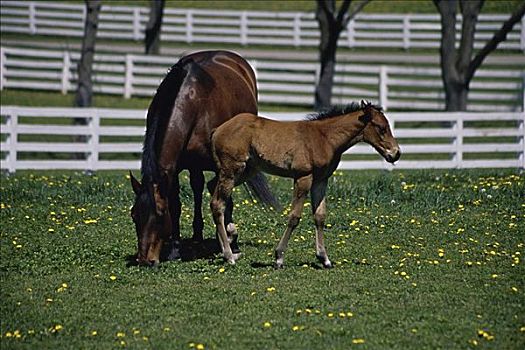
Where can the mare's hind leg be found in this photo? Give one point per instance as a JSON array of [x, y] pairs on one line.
[[219, 199], [175, 208], [197, 186], [301, 188], [318, 195]]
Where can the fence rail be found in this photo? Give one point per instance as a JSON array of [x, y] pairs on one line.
[[46, 138], [297, 29], [279, 81]]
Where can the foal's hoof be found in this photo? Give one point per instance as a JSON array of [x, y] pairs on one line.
[[278, 265], [324, 260], [328, 265]]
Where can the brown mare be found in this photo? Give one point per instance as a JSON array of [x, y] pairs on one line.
[[307, 151], [200, 92]]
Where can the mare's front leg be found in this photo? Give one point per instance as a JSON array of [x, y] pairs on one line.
[[318, 195], [197, 186], [175, 208], [220, 197], [301, 188]]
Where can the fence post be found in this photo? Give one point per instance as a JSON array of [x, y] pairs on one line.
[[522, 40], [406, 32], [12, 141], [383, 87], [350, 33], [136, 24], [2, 68], [128, 82], [32, 22], [94, 129], [297, 30], [66, 72], [244, 28], [189, 26], [522, 142], [458, 140]]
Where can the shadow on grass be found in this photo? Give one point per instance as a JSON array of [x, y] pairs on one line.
[[189, 250]]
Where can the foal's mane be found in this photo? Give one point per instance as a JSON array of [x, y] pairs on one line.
[[338, 110]]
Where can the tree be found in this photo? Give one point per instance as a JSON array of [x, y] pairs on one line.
[[457, 66], [84, 93], [331, 25], [152, 37]]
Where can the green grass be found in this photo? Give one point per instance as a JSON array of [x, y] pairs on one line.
[[424, 260]]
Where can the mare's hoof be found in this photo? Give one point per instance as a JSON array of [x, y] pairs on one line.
[[174, 252], [197, 238], [235, 247]]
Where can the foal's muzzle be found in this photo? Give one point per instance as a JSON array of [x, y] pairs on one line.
[[393, 156]]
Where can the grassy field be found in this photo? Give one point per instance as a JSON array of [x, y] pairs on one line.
[[424, 260]]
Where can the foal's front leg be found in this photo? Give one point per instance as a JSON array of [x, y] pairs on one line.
[[301, 188], [318, 195]]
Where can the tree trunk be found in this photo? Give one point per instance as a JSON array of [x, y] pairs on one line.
[[84, 94], [330, 26], [458, 67], [152, 37], [85, 65]]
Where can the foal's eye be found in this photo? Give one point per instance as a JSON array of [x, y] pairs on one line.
[[381, 129]]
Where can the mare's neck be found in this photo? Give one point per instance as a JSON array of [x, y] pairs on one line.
[[342, 132]]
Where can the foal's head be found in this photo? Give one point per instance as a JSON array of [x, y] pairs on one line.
[[152, 220], [377, 133]]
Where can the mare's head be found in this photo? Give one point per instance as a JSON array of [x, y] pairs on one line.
[[152, 220], [378, 134]]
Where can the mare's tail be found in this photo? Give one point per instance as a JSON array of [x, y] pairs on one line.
[[258, 186]]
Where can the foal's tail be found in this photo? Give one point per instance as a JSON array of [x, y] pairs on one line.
[[258, 186]]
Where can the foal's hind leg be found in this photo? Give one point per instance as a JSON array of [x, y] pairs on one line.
[[228, 218], [318, 195], [197, 186], [220, 196], [301, 188]]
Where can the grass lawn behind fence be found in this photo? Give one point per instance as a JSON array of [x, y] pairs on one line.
[[424, 259]]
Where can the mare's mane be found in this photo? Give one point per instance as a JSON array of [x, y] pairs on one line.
[[338, 110], [160, 111]]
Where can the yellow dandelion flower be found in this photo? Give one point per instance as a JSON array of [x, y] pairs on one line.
[[94, 333], [267, 324], [112, 277], [121, 334], [296, 328], [199, 346], [358, 341], [222, 269], [270, 289]]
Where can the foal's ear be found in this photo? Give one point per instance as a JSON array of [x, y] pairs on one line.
[[135, 184]]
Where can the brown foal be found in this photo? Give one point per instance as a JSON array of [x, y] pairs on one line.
[[307, 151]]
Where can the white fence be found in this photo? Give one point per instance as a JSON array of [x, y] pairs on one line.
[[44, 138], [297, 29], [279, 81]]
